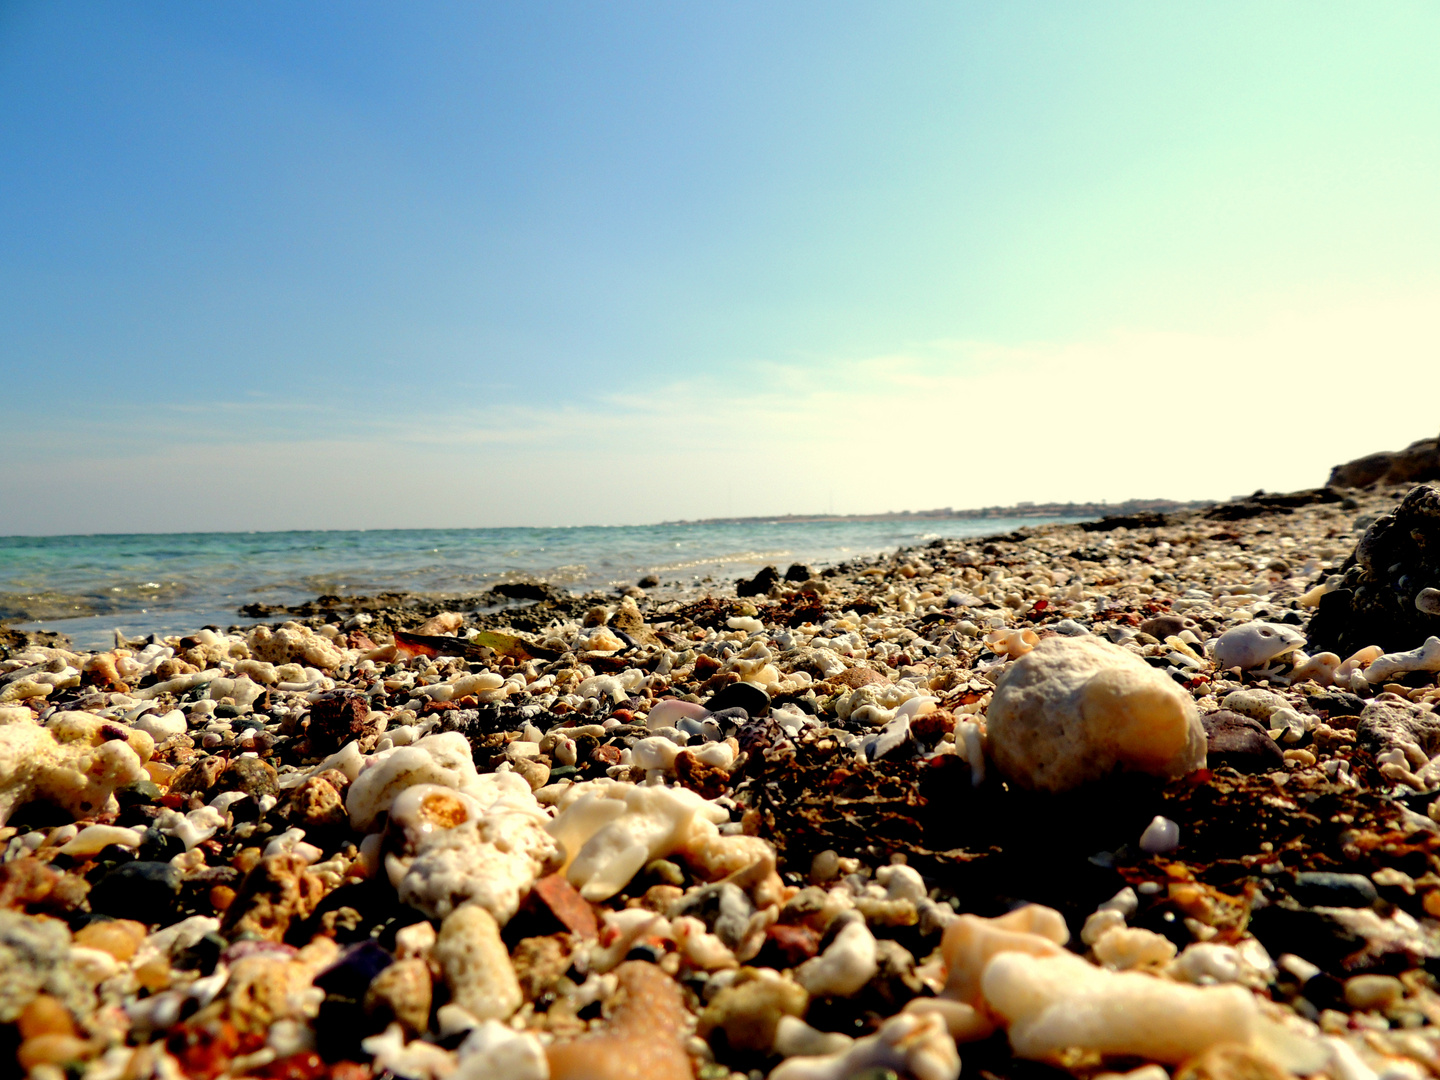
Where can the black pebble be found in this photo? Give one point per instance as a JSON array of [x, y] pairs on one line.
[[202, 956], [1320, 888], [741, 695], [158, 847], [143, 891]]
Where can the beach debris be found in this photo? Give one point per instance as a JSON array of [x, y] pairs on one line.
[[842, 825]]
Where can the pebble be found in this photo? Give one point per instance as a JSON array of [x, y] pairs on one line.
[[1367, 992], [1075, 710], [476, 964], [1322, 888], [1160, 837], [143, 891]]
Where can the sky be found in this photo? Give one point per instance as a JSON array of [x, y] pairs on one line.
[[359, 265]]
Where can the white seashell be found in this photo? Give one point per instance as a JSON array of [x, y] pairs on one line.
[[1254, 644], [1012, 643]]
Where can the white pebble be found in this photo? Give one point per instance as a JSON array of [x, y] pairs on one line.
[[1160, 836]]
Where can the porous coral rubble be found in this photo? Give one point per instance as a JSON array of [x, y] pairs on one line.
[[819, 818]]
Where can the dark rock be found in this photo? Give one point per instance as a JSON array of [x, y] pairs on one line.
[[1396, 560], [1417, 462], [1111, 522], [741, 695], [143, 891], [759, 585], [1320, 888], [649, 581], [527, 590], [254, 777], [335, 719], [202, 956], [1336, 703], [354, 970], [1241, 742], [1390, 723], [159, 847], [799, 572], [729, 719], [1286, 927], [226, 712], [198, 777]]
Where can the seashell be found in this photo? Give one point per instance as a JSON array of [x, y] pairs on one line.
[[1254, 644], [1012, 643]]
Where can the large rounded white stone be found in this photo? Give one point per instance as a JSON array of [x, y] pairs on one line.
[[1080, 709]]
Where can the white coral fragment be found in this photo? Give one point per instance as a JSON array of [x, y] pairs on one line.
[[1425, 658], [1055, 1003]]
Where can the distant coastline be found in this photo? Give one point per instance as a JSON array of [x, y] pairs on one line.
[[1019, 510]]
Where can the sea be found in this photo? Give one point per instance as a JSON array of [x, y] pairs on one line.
[[90, 586]]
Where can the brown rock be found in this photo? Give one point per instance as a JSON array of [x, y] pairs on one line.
[[1240, 742], [198, 777], [539, 964], [711, 781], [401, 992], [446, 622], [264, 988], [28, 883], [931, 727], [279, 890], [335, 719], [606, 754], [254, 777], [644, 1039], [852, 678], [169, 669], [747, 1012], [316, 804]]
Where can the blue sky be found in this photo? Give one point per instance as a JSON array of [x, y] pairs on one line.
[[362, 265]]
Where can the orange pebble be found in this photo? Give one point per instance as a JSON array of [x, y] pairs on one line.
[[118, 937], [51, 1050], [160, 772], [246, 859], [155, 975], [1432, 903], [221, 897], [45, 1016]]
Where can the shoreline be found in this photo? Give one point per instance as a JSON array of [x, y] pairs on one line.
[[831, 752]]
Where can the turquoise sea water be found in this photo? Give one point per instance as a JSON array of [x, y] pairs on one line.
[[86, 586]]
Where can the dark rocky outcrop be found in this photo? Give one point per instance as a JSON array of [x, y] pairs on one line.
[[1418, 462], [1394, 562]]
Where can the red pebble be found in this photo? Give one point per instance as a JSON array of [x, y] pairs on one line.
[[204, 1052], [566, 904]]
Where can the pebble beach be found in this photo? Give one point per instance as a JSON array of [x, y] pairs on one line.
[[1152, 795]]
